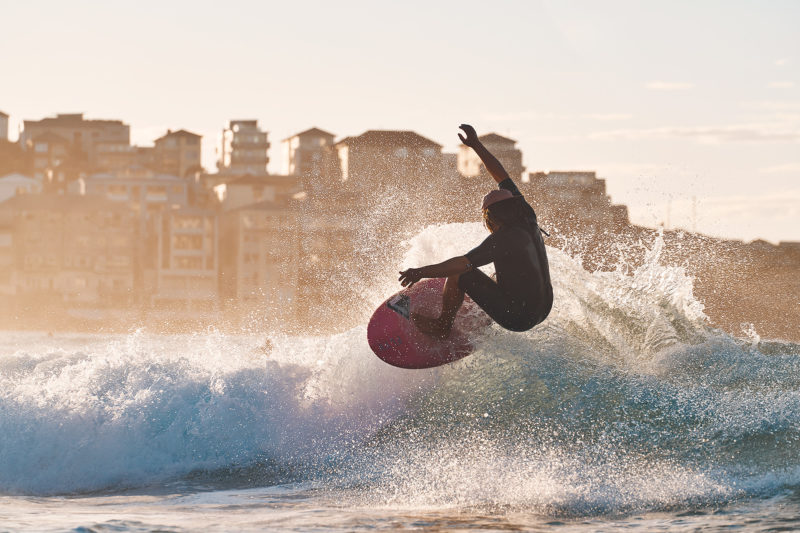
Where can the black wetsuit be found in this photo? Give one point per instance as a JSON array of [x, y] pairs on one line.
[[522, 296]]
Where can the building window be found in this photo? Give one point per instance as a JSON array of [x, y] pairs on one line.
[[188, 222]]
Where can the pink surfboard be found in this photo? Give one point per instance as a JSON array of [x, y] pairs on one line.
[[394, 338]]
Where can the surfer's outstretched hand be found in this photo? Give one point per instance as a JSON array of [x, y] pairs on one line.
[[471, 137], [410, 276]]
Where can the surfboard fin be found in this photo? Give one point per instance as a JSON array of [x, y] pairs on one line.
[[400, 304]]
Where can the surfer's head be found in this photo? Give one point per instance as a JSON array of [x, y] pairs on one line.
[[503, 211]]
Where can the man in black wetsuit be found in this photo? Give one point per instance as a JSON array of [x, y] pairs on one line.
[[522, 296]]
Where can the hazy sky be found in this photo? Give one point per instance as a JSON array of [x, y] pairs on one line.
[[689, 109]]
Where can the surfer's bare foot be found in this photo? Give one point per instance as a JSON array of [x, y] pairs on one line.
[[435, 327]]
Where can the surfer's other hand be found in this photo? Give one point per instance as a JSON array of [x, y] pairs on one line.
[[410, 276], [471, 137]]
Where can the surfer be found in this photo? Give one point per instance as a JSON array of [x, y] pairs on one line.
[[522, 296]]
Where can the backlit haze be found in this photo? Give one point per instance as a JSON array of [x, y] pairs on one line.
[[690, 110]]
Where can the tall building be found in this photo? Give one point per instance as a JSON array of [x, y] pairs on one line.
[[185, 278], [51, 154], [84, 135], [259, 258], [576, 197], [3, 126], [379, 157], [69, 250], [503, 148], [243, 148], [146, 191], [311, 154], [177, 153]]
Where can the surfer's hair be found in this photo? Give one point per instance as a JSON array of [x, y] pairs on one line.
[[505, 213]]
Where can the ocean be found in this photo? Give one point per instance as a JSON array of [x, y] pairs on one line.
[[625, 409]]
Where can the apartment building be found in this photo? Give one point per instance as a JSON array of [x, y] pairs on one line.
[[260, 255], [177, 153], [184, 281], [311, 154], [68, 250], [503, 148], [243, 148], [146, 191], [51, 152], [579, 196], [114, 156], [379, 157], [81, 134]]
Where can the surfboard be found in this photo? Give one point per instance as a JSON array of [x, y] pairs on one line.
[[395, 339]]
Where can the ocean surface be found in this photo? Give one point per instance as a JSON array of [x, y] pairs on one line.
[[625, 409]]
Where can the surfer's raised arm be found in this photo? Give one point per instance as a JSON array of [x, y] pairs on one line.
[[493, 166]]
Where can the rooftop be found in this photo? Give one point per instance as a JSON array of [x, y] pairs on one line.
[[72, 120], [381, 138], [495, 138], [251, 123], [315, 132], [179, 133]]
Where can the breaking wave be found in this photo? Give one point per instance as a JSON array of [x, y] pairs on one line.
[[625, 399]]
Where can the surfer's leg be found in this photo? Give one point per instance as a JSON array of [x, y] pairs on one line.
[[503, 308], [452, 298]]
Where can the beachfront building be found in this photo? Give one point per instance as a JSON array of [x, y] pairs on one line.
[[184, 278], [148, 195], [113, 156], [68, 250], [81, 134], [146, 191], [311, 155], [503, 148], [50, 153], [177, 153], [327, 236], [382, 157], [243, 148], [577, 196], [260, 259]]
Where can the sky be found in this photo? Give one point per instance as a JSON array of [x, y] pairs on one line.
[[689, 109]]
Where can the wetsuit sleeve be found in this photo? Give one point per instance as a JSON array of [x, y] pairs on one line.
[[484, 253], [509, 185]]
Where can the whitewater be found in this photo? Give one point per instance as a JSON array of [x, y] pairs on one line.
[[625, 408]]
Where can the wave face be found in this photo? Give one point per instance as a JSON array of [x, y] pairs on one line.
[[624, 399]]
